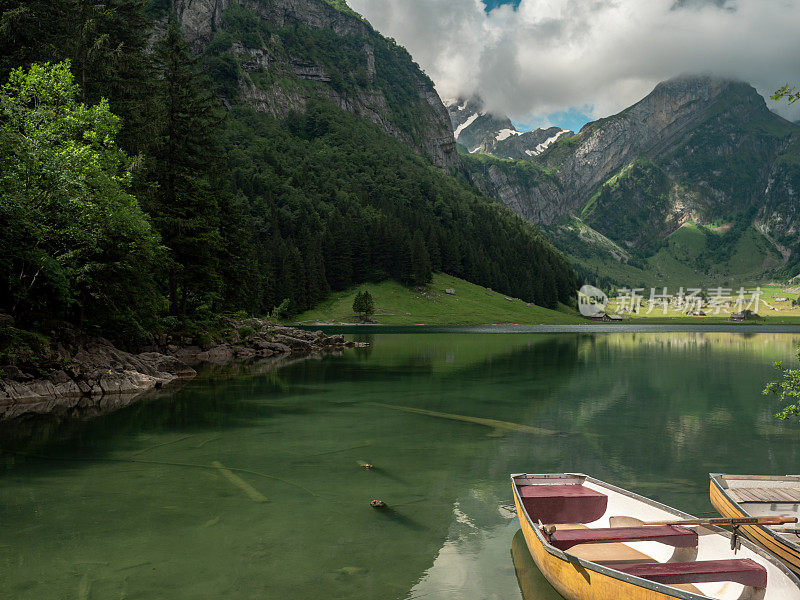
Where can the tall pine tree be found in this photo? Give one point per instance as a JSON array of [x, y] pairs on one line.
[[184, 164], [421, 270]]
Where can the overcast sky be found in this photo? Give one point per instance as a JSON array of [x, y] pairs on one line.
[[564, 61]]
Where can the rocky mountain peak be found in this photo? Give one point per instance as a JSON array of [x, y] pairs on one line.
[[697, 85], [657, 124], [474, 127], [480, 131]]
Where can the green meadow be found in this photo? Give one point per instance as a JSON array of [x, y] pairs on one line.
[[470, 305]]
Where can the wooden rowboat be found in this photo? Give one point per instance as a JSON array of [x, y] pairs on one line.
[[758, 496], [589, 556]]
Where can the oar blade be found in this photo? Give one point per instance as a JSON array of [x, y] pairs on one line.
[[625, 522]]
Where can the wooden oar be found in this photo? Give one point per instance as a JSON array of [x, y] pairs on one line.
[[736, 521]]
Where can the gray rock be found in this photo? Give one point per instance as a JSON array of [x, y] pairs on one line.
[[218, 354], [171, 365], [59, 377], [242, 353], [187, 352], [294, 343]]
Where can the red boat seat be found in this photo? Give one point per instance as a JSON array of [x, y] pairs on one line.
[[679, 537], [742, 570], [563, 503]]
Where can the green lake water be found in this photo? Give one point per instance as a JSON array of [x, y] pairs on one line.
[[138, 504]]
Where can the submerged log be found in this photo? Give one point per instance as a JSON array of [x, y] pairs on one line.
[[248, 489], [498, 427]]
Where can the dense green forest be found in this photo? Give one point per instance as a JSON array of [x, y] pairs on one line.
[[133, 201]]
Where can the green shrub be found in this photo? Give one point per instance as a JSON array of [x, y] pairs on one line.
[[203, 339], [284, 310], [19, 347]]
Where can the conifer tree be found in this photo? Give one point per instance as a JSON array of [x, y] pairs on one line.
[[421, 271], [368, 308], [183, 164], [31, 31], [358, 303], [364, 305]]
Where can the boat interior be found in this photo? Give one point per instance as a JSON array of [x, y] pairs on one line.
[[605, 525], [766, 496]]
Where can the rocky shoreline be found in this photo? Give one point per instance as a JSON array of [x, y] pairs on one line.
[[86, 371]]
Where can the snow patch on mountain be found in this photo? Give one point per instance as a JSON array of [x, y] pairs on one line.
[[504, 134], [466, 123], [547, 143]]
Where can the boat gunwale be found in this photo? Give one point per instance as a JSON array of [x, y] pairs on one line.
[[632, 579], [778, 539]]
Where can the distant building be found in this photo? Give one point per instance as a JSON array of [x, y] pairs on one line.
[[740, 316], [450, 292], [604, 318]]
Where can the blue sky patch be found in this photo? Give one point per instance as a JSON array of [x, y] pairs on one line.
[[572, 119], [492, 4]]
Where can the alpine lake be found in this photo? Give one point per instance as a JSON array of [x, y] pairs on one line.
[[248, 483]]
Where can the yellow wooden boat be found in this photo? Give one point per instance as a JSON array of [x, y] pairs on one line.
[[594, 541], [761, 496]]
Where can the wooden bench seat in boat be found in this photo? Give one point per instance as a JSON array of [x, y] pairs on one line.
[[563, 503], [743, 570], [679, 537], [773, 495]]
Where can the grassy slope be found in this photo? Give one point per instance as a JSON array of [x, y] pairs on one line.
[[474, 305], [471, 305], [752, 262]]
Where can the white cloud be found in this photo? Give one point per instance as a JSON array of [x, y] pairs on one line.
[[553, 55]]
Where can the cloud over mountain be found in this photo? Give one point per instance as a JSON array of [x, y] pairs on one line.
[[600, 56]]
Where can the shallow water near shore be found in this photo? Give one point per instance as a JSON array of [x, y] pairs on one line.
[[252, 487]]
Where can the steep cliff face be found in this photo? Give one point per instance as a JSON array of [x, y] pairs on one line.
[[650, 127], [779, 216], [524, 188], [277, 55], [712, 138]]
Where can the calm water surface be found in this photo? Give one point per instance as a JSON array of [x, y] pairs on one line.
[[250, 487]]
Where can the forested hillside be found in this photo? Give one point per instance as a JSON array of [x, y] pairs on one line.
[[150, 180]]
